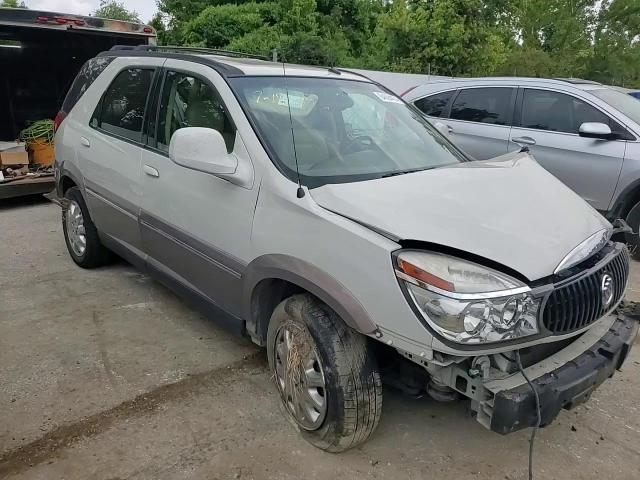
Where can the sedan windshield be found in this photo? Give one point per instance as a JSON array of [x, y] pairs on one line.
[[340, 130], [627, 104]]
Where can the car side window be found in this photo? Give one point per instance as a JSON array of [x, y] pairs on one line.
[[121, 110], [434, 105], [484, 105], [187, 101], [560, 112]]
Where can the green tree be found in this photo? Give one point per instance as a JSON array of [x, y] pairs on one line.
[[12, 4], [444, 37], [217, 26], [116, 11], [616, 50]]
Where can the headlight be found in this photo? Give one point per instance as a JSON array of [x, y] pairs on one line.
[[466, 302]]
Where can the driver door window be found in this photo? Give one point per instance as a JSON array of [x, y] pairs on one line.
[[187, 101]]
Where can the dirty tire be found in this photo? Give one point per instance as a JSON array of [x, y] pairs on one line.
[[633, 239], [95, 253], [353, 385]]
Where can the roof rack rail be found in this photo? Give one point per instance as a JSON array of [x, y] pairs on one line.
[[177, 48], [577, 81]]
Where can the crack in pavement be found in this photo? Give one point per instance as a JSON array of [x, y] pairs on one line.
[[47, 447]]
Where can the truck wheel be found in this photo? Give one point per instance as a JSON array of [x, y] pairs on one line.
[[80, 233], [326, 374], [633, 239]]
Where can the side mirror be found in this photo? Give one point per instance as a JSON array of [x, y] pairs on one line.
[[595, 130], [202, 149]]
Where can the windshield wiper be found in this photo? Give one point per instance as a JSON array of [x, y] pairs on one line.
[[402, 172]]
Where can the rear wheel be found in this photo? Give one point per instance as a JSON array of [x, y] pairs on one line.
[[80, 233], [633, 239], [325, 373]]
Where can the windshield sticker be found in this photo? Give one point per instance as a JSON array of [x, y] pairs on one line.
[[296, 100], [385, 97], [275, 100]]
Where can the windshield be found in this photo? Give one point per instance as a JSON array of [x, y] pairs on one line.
[[626, 104], [344, 130]]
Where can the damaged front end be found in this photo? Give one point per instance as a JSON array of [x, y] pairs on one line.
[[581, 334], [502, 398]]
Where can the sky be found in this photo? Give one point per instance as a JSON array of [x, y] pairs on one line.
[[146, 8]]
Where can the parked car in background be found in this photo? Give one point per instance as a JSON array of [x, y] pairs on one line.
[[585, 133], [628, 91], [318, 214]]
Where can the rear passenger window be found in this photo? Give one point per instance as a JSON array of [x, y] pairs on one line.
[[484, 105], [187, 101], [121, 110], [434, 105], [86, 76]]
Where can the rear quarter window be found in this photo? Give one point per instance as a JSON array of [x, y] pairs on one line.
[[86, 76]]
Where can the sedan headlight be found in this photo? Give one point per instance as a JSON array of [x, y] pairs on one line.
[[467, 302]]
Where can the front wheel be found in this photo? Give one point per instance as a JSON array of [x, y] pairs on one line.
[[633, 239], [325, 373]]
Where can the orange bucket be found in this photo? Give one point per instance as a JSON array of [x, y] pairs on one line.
[[42, 153]]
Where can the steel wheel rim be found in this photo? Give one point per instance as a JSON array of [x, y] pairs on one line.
[[300, 376], [76, 232]]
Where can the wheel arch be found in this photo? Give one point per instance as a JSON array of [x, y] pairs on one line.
[[271, 278], [629, 197], [68, 179]]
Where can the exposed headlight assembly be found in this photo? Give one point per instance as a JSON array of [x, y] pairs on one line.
[[466, 302]]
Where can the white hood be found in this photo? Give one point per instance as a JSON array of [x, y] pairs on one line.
[[508, 209]]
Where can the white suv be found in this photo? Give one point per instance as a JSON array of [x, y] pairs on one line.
[[322, 216]]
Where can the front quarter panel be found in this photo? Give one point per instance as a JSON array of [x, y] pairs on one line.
[[327, 249]]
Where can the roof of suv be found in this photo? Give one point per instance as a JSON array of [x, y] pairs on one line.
[[254, 66], [233, 64]]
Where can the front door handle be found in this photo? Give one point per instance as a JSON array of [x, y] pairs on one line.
[[523, 140], [85, 142], [152, 172]]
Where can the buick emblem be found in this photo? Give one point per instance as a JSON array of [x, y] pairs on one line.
[[606, 290]]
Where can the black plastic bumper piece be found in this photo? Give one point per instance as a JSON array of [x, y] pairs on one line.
[[567, 386]]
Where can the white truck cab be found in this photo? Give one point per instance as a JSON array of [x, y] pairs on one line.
[[319, 214]]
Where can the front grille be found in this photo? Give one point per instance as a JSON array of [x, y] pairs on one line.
[[579, 303]]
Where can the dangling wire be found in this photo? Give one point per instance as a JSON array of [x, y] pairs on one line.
[[538, 412]]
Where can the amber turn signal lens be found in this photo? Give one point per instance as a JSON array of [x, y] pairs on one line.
[[426, 277]]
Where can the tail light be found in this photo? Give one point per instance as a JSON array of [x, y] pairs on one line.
[[60, 116]]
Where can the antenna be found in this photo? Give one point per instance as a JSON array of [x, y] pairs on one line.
[[300, 191]]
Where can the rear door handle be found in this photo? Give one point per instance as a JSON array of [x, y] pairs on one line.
[[152, 172], [85, 142], [523, 140], [449, 129]]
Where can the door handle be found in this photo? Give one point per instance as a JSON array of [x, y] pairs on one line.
[[152, 172], [449, 128], [85, 142], [523, 140]]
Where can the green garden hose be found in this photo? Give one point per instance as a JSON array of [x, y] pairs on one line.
[[40, 131]]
